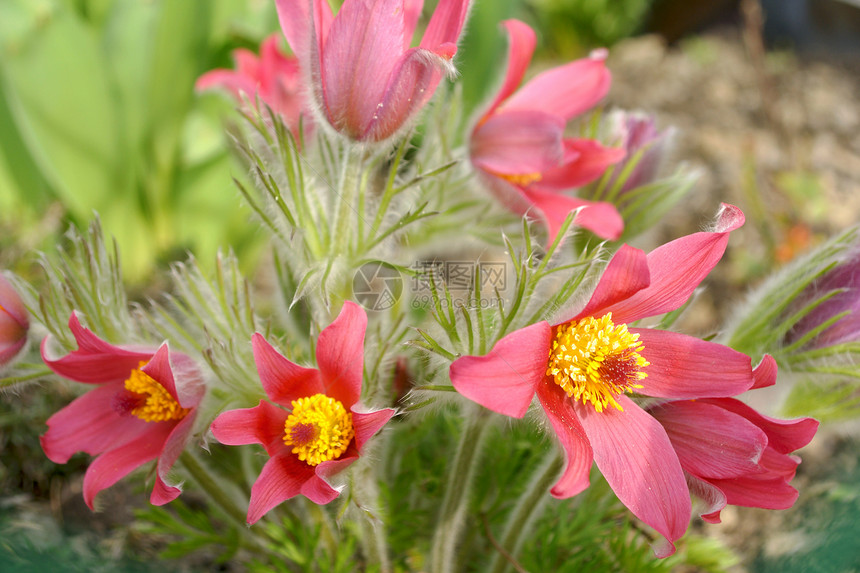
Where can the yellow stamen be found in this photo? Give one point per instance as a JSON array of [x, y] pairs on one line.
[[522, 179], [319, 428], [593, 360], [155, 402]]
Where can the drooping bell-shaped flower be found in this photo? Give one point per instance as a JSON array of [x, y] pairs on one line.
[[141, 408], [365, 79], [14, 322], [585, 368], [519, 148], [273, 77], [313, 425]]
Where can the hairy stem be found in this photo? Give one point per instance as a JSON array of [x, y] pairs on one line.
[[527, 508], [458, 489]]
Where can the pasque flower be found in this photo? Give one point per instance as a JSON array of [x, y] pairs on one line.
[[584, 368], [838, 317], [274, 77], [13, 322], [313, 426], [642, 143], [141, 407], [364, 78], [731, 454], [518, 144]]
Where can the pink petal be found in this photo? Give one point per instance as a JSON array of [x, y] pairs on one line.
[[164, 491], [775, 464], [678, 267], [410, 85], [158, 368], [230, 80], [625, 275], [295, 19], [602, 219], [521, 46], [89, 424], [248, 65], [571, 435], [263, 424], [411, 14], [523, 142], [12, 304], [318, 489], [504, 380], [784, 436], [366, 424], [115, 464], [589, 160], [635, 456], [713, 498], [281, 479], [566, 91], [771, 493], [361, 52], [711, 442], [95, 361], [8, 351], [340, 354], [509, 195], [764, 374], [445, 25], [686, 367], [283, 380]]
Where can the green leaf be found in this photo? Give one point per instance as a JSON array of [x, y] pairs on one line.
[[72, 138]]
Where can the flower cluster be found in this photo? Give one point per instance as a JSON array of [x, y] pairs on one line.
[[344, 177]]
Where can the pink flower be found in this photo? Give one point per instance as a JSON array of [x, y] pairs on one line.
[[583, 368], [519, 148], [365, 79], [273, 77], [731, 454], [314, 426], [141, 408], [13, 322], [842, 283], [639, 135]]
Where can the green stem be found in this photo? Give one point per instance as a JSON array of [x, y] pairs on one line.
[[527, 508], [344, 226], [457, 490], [203, 479]]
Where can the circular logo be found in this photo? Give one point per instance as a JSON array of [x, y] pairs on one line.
[[377, 286]]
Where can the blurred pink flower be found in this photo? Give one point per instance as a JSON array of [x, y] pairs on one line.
[[519, 148], [731, 454], [582, 369], [842, 282], [639, 135], [13, 322], [365, 79], [273, 77], [142, 408], [314, 426]]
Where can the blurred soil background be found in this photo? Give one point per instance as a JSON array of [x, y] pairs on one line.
[[765, 98]]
